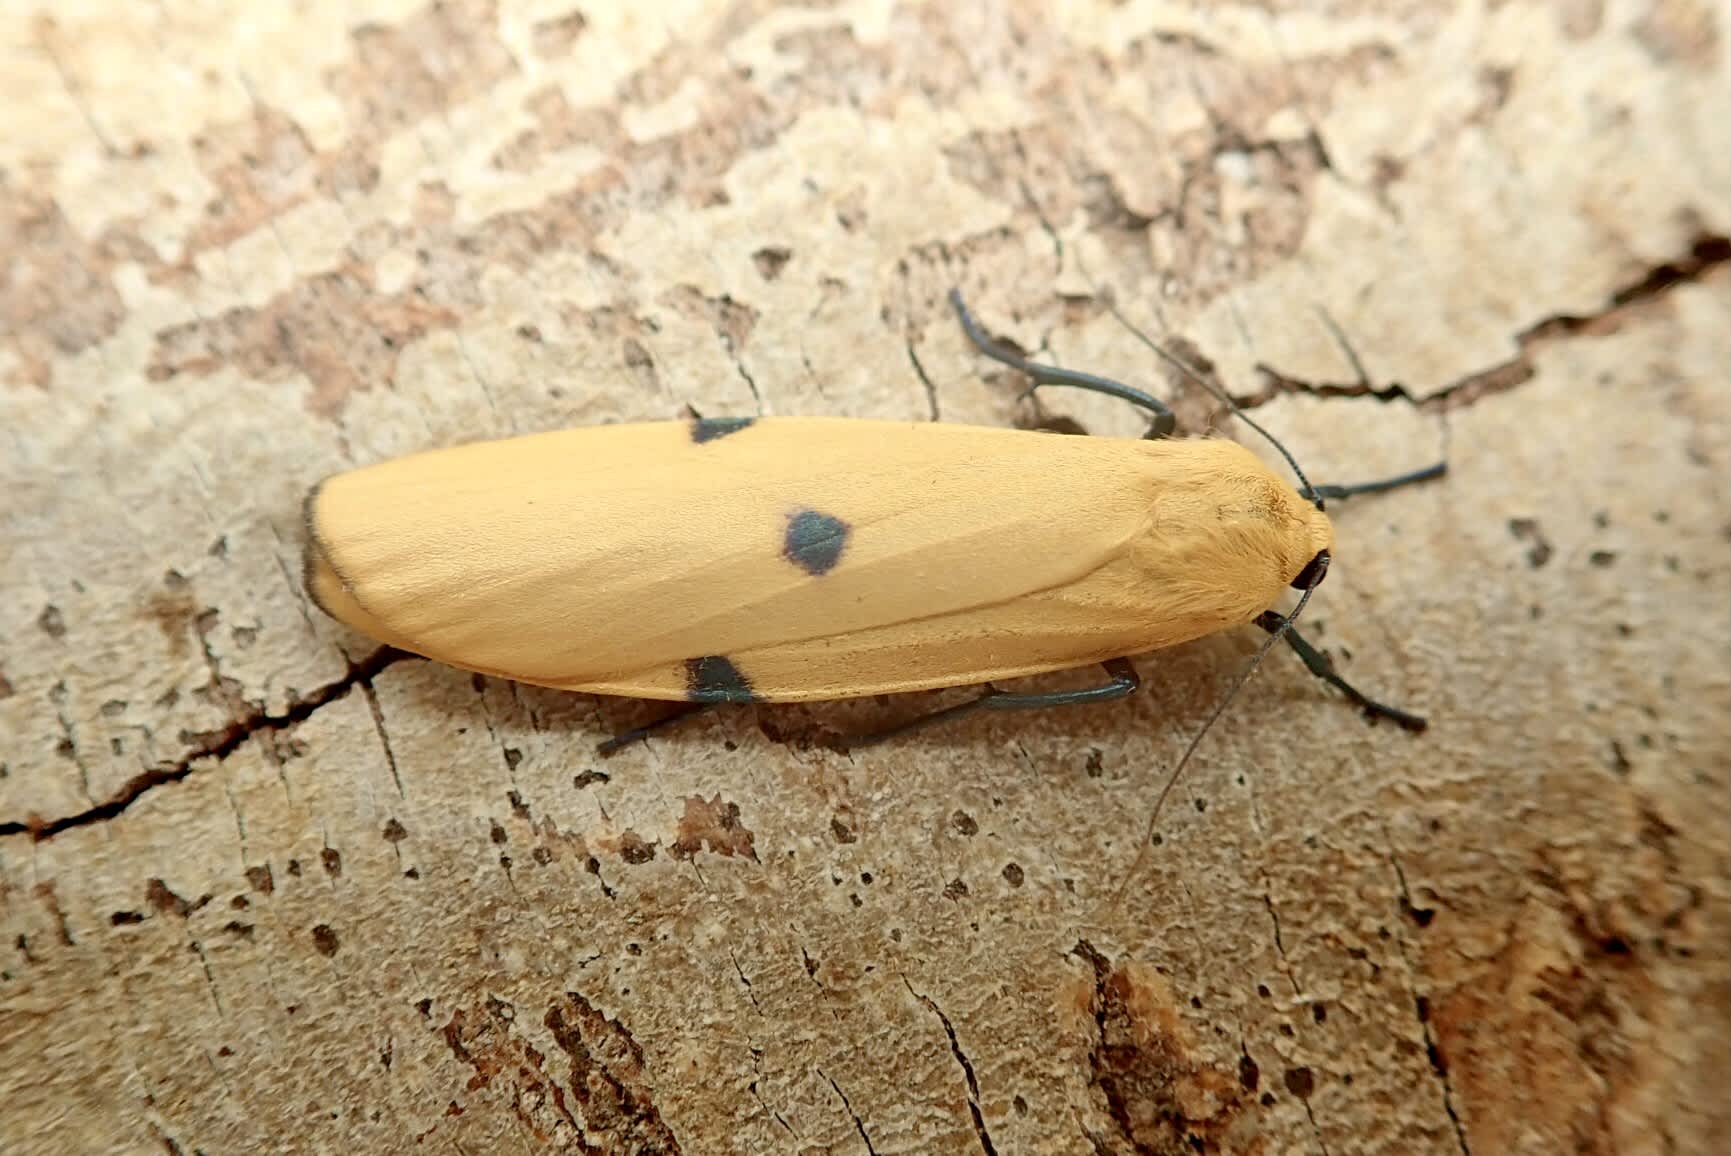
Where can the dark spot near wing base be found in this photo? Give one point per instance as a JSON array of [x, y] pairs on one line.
[[713, 678], [707, 429], [814, 541]]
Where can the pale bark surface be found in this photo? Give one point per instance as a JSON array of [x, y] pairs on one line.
[[262, 889]]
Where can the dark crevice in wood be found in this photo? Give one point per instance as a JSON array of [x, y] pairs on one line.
[[985, 1137], [217, 745], [1707, 253]]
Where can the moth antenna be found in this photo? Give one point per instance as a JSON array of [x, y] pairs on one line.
[[1345, 345], [1196, 375], [1226, 701]]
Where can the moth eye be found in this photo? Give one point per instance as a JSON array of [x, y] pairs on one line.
[[1312, 573]]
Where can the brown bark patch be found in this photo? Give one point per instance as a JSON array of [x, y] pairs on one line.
[[1554, 1015], [445, 54], [508, 1073], [1686, 31], [1161, 1093], [714, 825], [335, 329], [609, 1079], [55, 296], [260, 168]]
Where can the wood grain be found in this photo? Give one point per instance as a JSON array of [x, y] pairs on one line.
[[263, 888]]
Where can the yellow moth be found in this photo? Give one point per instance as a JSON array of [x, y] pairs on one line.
[[801, 558]]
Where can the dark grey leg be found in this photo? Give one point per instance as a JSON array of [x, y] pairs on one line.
[[1319, 665], [636, 734], [1165, 421], [1124, 682]]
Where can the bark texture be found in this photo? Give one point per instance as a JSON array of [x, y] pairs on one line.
[[263, 887]]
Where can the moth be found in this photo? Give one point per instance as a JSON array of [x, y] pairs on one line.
[[789, 559]]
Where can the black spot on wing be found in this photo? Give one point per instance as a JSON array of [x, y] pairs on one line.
[[713, 678], [814, 541], [707, 429]]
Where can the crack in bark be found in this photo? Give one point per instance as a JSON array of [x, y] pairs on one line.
[[859, 1125], [378, 716], [756, 1093], [1046, 225], [810, 369], [931, 388], [1033, 202], [1297, 991], [985, 1136], [47, 40], [764, 1104], [752, 995], [1421, 1010], [218, 745], [209, 979], [745, 374], [1279, 943], [1310, 1114], [1706, 253]]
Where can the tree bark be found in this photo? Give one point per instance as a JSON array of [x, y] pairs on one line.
[[266, 887]]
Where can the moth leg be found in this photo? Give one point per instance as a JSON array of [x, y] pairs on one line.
[[636, 734], [1124, 682], [1320, 665], [1378, 487], [1165, 421]]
